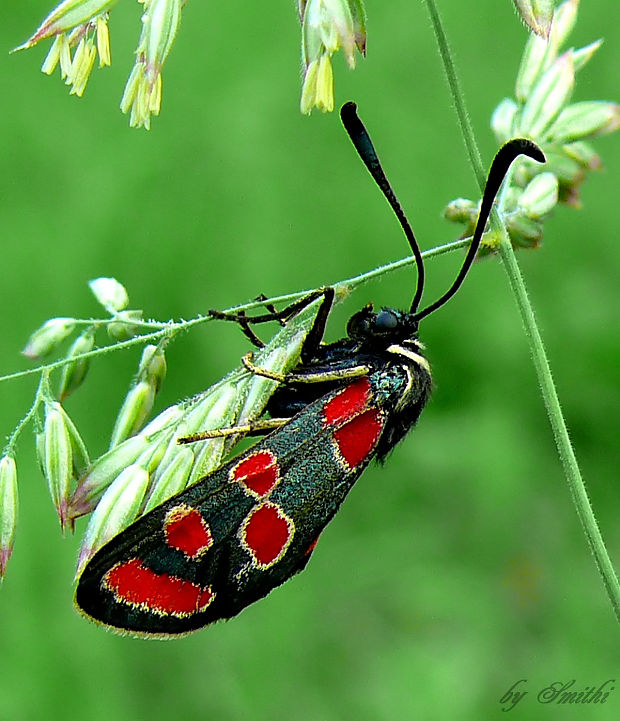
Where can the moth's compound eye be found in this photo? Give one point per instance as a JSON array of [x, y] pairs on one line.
[[386, 320]]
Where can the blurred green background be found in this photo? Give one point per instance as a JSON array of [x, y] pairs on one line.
[[455, 570]]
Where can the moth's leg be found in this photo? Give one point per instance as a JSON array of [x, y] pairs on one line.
[[271, 308], [246, 327], [307, 376], [253, 428], [315, 335], [247, 331], [274, 315]]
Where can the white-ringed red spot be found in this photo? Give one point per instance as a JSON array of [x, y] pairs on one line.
[[186, 530], [132, 583], [266, 533], [257, 473], [357, 439], [348, 403]]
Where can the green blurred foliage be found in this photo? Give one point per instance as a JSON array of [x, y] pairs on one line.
[[456, 569]]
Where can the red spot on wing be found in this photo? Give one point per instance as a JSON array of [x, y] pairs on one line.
[[357, 439], [186, 530], [259, 473], [134, 584], [266, 533], [348, 403]]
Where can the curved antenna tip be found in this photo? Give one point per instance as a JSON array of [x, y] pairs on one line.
[[349, 108], [504, 158], [523, 146]]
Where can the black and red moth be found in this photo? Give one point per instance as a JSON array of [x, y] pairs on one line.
[[227, 541]]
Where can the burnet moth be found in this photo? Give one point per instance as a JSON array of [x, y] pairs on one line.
[[224, 543]]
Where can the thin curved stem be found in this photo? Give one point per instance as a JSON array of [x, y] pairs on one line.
[[171, 328], [458, 97], [558, 425], [537, 349], [9, 449]]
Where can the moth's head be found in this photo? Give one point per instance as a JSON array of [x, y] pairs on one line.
[[387, 325]]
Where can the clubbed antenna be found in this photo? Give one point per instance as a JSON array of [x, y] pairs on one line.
[[506, 155], [365, 149]]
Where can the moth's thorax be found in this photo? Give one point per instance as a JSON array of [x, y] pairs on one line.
[[388, 337], [410, 351], [402, 382]]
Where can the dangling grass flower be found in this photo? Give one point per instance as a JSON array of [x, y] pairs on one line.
[[80, 26], [142, 94], [79, 29], [328, 26], [80, 32]]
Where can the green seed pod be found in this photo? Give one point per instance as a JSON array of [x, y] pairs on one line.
[[58, 459], [223, 413], [549, 95], [124, 326], [503, 120], [536, 14], [152, 368], [133, 413], [168, 418], [79, 452], [117, 508], [151, 457], [531, 68], [39, 442], [565, 168], [584, 154], [172, 479], [110, 293], [74, 373], [460, 210], [540, 196], [564, 20], [583, 56], [45, 339], [102, 472], [524, 232], [581, 121], [8, 510]]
